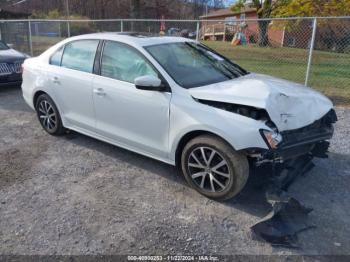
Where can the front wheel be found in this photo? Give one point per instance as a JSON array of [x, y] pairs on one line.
[[213, 168], [48, 115]]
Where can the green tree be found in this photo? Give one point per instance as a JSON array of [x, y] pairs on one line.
[[302, 8], [287, 8], [53, 14], [333, 33]]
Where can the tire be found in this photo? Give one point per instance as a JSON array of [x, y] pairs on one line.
[[49, 116], [225, 170]]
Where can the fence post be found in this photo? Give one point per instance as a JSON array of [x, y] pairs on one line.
[[224, 35], [121, 26], [312, 45], [68, 29], [30, 38], [197, 32]]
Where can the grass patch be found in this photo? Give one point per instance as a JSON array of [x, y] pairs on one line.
[[330, 71], [42, 43]]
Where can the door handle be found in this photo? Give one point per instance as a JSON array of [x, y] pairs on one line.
[[55, 80], [99, 92]]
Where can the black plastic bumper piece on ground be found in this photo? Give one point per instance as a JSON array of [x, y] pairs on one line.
[[288, 216]]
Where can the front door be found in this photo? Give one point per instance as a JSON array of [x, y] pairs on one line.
[[137, 119]]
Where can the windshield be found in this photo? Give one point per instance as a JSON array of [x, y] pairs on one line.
[[192, 65], [3, 46]]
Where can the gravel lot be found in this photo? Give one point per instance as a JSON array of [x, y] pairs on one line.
[[77, 195]]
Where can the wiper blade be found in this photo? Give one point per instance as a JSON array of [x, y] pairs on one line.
[[224, 70], [233, 72]]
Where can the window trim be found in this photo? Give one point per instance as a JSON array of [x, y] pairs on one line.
[[98, 57], [63, 47], [99, 67]]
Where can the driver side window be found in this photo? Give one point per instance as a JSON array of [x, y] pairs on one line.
[[122, 62]]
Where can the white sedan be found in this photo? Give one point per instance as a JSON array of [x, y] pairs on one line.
[[176, 100]]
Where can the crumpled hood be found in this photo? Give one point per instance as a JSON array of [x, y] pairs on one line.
[[11, 55], [289, 105]]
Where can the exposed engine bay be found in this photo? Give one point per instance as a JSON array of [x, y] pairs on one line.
[[247, 111]]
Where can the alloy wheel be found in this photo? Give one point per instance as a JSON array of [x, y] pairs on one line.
[[47, 115], [208, 169]]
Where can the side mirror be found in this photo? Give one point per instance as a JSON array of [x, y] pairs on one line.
[[149, 83]]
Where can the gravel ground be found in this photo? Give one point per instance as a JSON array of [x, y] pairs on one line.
[[76, 195]]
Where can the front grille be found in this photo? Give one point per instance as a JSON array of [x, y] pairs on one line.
[[10, 68]]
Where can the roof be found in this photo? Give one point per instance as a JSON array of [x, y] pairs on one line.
[[227, 12], [136, 39], [7, 12]]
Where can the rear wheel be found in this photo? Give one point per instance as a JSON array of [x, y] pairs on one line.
[[48, 115], [213, 168]]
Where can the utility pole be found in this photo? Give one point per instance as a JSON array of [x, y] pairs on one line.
[[312, 46], [135, 8], [207, 7], [67, 13]]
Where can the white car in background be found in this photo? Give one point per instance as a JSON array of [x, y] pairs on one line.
[[175, 100]]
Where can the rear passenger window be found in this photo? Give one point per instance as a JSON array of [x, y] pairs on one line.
[[57, 57], [80, 55]]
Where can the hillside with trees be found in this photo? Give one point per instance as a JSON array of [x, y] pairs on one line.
[[104, 9]]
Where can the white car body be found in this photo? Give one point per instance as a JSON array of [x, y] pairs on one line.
[[153, 123]]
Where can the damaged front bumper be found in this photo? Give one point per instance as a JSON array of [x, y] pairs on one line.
[[312, 139], [288, 217]]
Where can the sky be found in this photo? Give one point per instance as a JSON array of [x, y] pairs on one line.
[[229, 2]]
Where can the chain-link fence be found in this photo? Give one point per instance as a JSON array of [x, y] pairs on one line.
[[311, 51]]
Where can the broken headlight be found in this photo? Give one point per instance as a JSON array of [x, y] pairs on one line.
[[271, 138]]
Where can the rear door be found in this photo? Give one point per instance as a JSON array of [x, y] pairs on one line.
[[71, 77], [135, 118]]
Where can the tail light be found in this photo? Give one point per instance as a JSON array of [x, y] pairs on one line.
[[21, 71]]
